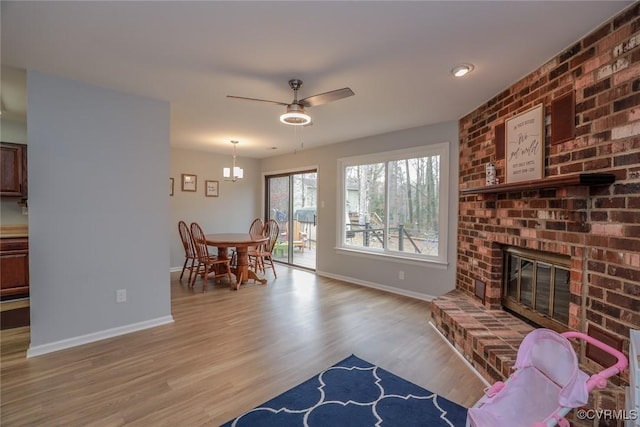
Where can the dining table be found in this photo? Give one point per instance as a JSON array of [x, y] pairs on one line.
[[241, 242]]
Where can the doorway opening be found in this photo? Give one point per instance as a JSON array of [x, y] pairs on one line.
[[291, 200]]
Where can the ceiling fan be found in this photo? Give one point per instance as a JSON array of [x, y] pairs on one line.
[[296, 115]]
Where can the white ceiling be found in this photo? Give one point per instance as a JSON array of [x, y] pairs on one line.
[[395, 55]]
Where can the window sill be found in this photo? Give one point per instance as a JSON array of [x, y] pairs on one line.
[[394, 258]]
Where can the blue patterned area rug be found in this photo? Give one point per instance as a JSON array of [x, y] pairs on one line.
[[355, 393]]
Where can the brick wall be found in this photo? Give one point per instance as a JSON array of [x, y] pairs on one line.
[[599, 226]]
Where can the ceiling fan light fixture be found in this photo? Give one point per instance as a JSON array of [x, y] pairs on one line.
[[462, 70], [295, 116]]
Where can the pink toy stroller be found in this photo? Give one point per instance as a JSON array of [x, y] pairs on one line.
[[545, 386]]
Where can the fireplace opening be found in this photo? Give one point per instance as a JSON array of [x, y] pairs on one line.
[[536, 287]]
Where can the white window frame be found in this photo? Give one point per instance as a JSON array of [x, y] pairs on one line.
[[439, 149]]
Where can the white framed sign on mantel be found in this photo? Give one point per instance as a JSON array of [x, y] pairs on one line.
[[524, 150]]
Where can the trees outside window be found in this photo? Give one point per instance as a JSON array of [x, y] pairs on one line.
[[393, 202]]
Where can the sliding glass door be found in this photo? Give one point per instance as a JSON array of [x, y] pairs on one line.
[[291, 201]]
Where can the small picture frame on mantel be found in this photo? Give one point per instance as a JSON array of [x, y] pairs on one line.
[[189, 182], [211, 188]]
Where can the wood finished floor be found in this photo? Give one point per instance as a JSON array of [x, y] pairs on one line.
[[227, 352]]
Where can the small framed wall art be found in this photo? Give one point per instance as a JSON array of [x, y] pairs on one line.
[[171, 186], [189, 182], [563, 118], [524, 150], [211, 188]]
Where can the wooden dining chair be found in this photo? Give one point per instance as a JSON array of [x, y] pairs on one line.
[[190, 258], [210, 264], [254, 228], [264, 252]]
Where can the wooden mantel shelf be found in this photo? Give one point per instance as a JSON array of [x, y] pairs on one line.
[[546, 183]]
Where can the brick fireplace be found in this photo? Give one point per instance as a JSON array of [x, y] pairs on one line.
[[595, 224]]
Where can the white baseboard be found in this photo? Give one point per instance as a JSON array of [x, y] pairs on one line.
[[391, 289], [96, 336], [460, 355]]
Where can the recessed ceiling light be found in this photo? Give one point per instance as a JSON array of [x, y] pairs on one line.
[[462, 70]]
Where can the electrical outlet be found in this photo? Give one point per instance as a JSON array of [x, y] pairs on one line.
[[401, 275], [121, 295]]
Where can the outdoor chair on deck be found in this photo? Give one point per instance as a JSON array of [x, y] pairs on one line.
[[210, 264], [264, 252], [299, 237]]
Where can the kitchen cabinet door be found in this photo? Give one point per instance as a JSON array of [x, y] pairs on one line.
[[13, 163]]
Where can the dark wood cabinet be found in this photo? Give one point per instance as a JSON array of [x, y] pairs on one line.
[[14, 266], [13, 164]]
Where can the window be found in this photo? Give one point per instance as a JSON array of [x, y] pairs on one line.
[[394, 203]]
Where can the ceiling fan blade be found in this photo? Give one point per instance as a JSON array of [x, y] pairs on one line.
[[256, 99], [323, 98]]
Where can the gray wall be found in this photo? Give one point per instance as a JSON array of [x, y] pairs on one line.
[[232, 211], [99, 212], [422, 280]]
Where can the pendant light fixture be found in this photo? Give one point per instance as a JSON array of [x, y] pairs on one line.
[[234, 173]]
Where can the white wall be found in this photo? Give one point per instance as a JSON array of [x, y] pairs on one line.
[[233, 210], [99, 212], [421, 281]]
